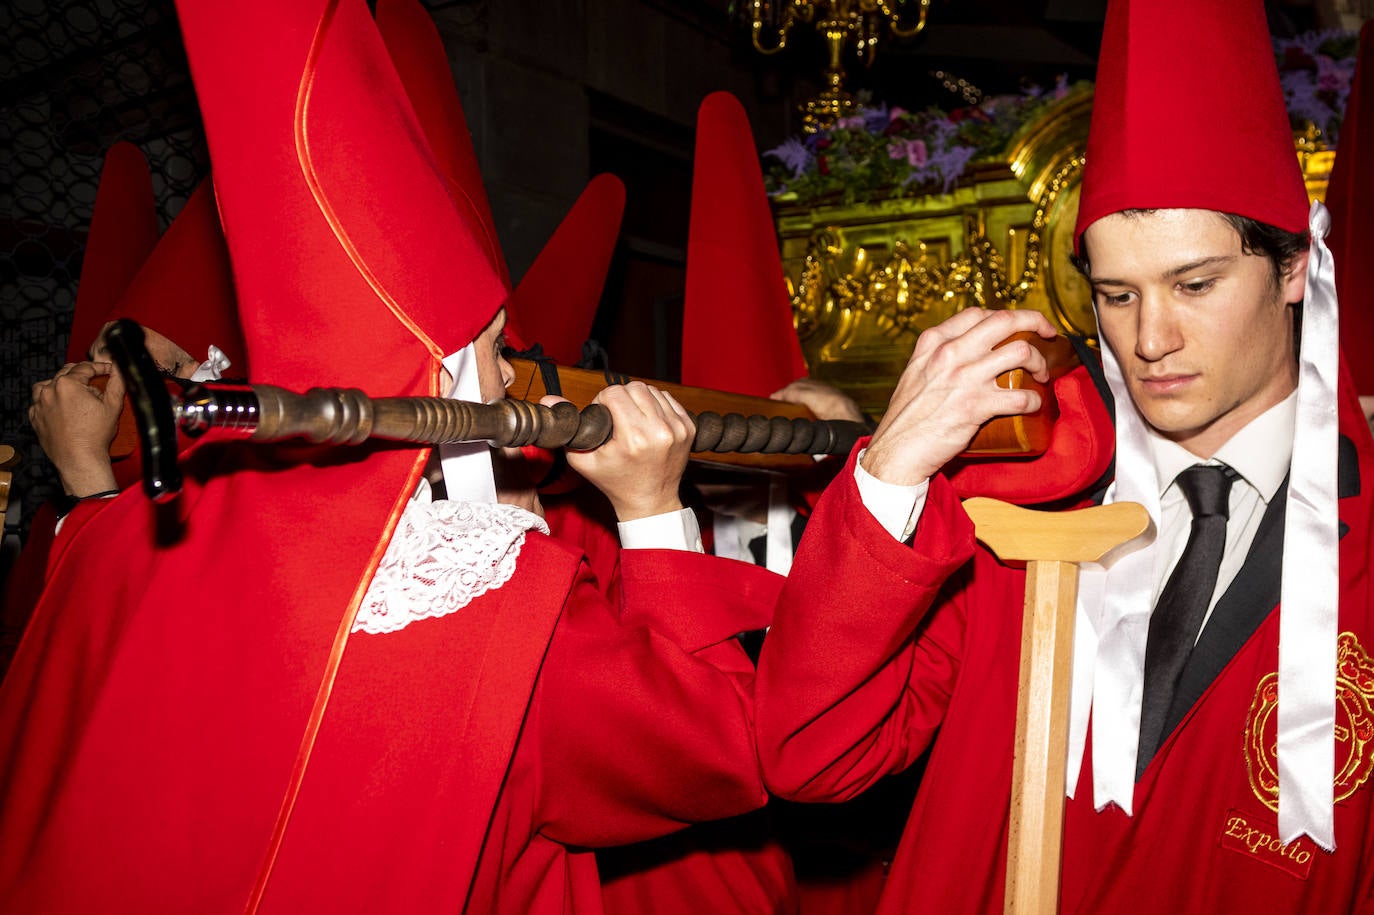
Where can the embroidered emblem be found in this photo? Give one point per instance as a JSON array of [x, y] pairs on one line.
[[1245, 834], [1354, 726]]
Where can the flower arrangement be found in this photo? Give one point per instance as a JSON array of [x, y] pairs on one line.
[[894, 152], [891, 152], [1315, 71]]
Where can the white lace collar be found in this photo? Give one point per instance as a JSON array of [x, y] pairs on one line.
[[443, 556]]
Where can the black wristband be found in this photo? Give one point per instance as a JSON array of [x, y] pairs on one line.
[[65, 502]]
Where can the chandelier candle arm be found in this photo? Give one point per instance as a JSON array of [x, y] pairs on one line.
[[840, 23]]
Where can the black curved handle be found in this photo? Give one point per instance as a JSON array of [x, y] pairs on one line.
[[157, 435]]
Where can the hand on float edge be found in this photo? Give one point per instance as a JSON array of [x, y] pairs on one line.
[[824, 400], [949, 389]]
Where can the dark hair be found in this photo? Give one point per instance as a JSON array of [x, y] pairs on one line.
[[1280, 246]]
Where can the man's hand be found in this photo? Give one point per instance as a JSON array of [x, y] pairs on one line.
[[949, 389], [640, 466], [76, 423], [825, 401]]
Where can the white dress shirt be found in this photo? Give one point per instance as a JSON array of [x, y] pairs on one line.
[[1260, 453], [897, 509]]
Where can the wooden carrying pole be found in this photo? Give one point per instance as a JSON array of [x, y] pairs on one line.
[[1052, 545], [1004, 436]]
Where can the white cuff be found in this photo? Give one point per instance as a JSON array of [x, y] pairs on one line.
[[57, 528], [897, 508], [670, 531]]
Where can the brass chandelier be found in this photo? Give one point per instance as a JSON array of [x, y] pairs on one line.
[[842, 24]]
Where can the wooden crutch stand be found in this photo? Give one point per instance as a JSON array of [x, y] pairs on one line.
[[1052, 544]]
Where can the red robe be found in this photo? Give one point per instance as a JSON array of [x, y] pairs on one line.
[[928, 638]]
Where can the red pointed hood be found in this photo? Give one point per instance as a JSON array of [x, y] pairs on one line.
[[418, 54], [560, 292], [1182, 63], [737, 332], [185, 291], [354, 176], [123, 232], [1350, 198]]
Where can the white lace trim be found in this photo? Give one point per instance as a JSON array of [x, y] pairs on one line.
[[443, 556]]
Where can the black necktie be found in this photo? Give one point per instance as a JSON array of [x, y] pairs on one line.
[[1178, 616]]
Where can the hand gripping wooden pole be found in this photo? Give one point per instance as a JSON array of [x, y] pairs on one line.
[[1052, 544], [339, 416]]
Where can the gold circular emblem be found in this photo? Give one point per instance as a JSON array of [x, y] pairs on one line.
[[1354, 726]]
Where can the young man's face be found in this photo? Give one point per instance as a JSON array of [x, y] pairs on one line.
[[1203, 332], [513, 475], [494, 373]]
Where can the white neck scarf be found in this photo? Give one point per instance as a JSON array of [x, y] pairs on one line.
[[467, 467]]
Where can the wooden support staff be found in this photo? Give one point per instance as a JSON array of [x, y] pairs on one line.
[[1052, 545]]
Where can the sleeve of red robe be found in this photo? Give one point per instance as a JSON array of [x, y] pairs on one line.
[[643, 725], [857, 670]]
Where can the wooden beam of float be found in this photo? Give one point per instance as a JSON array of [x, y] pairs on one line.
[[1002, 437]]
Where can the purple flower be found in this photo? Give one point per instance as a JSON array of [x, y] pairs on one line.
[[852, 122], [793, 154], [876, 119], [1334, 75], [916, 153], [946, 166], [913, 151], [1061, 85], [942, 132], [1303, 97], [1308, 42]]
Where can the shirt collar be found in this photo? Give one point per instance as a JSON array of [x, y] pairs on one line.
[[1260, 452]]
